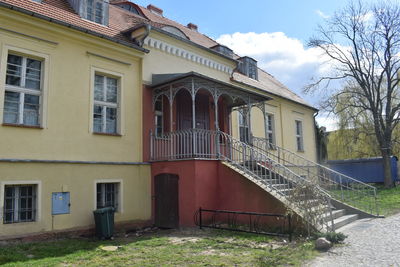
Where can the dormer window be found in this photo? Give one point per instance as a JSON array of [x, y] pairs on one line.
[[248, 67], [223, 50], [130, 8], [95, 11], [174, 31]]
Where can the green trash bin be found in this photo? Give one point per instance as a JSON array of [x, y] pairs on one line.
[[104, 220]]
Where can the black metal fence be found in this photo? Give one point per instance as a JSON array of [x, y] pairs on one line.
[[250, 222]]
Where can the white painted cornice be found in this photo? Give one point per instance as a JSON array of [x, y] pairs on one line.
[[152, 42]]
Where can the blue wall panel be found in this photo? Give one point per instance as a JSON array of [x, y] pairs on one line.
[[369, 170], [60, 203]]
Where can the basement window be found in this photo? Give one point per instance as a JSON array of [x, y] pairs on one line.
[[19, 203], [107, 195]]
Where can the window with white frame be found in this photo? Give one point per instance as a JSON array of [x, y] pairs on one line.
[[107, 195], [159, 119], [270, 134], [19, 203], [95, 11], [23, 90], [299, 136], [243, 128], [105, 110]]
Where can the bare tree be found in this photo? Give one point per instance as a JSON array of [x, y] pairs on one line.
[[363, 44]]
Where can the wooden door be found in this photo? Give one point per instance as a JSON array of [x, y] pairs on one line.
[[167, 200]]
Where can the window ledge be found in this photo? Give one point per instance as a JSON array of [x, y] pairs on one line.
[[302, 151], [108, 134], [22, 126]]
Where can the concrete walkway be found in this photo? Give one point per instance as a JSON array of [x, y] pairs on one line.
[[370, 242]]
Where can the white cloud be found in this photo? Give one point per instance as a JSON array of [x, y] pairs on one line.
[[330, 122], [322, 14], [284, 57]]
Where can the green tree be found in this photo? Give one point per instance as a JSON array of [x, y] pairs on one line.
[[362, 42]]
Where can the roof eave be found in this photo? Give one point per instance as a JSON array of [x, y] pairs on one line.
[[260, 89], [193, 43]]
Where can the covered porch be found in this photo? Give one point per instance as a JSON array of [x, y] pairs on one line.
[[192, 116]]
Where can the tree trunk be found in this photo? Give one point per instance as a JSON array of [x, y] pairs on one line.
[[387, 168]]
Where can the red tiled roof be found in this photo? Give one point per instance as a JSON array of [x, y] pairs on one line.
[[62, 11], [121, 20]]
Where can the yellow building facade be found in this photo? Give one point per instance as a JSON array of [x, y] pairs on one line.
[[75, 127], [62, 153]]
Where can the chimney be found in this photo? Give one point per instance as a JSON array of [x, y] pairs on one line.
[[155, 10], [192, 26]]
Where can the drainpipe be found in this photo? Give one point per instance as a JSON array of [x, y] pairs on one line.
[[315, 135]]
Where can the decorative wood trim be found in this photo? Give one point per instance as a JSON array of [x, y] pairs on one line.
[[185, 54]]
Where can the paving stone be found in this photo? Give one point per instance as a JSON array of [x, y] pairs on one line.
[[370, 242]]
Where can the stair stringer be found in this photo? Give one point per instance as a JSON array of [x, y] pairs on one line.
[[273, 192]]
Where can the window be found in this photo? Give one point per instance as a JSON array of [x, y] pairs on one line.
[[248, 67], [107, 195], [243, 128], [270, 134], [22, 91], [159, 117], [299, 136], [130, 8], [175, 31], [95, 11], [105, 110], [19, 203]]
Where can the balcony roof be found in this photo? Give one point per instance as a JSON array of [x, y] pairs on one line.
[[163, 82]]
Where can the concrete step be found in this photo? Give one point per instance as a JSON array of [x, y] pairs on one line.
[[335, 214], [285, 191], [344, 220], [278, 186]]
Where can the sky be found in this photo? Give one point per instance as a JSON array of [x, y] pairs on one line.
[[275, 33]]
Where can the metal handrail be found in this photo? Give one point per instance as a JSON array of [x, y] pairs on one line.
[[342, 187], [207, 144]]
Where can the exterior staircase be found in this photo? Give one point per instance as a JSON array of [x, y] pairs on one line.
[[351, 199], [326, 200]]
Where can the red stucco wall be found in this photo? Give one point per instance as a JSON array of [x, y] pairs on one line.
[[212, 185]]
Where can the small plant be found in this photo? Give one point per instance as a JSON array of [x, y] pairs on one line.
[[333, 237]]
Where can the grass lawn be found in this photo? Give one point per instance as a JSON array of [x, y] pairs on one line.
[[191, 247], [388, 199]]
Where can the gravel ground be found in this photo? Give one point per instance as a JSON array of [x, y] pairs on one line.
[[370, 242]]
